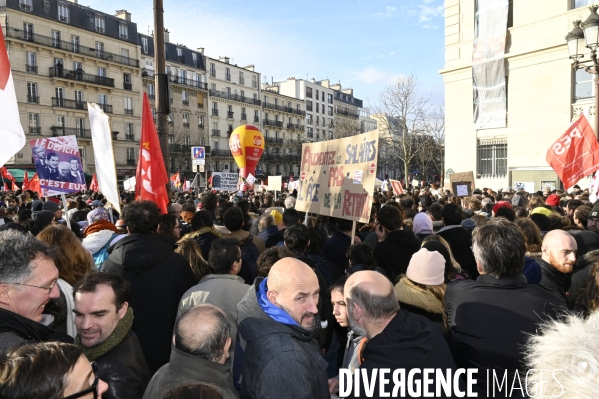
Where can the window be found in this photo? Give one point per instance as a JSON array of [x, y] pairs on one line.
[[59, 92], [316, 95], [102, 99], [151, 91], [194, 59], [75, 43], [213, 87], [55, 38], [309, 119], [201, 121], [124, 53], [102, 71], [60, 121], [309, 92], [123, 31], [34, 120], [330, 111], [492, 157], [128, 106], [130, 153], [100, 26], [185, 97], [27, 31], [185, 120], [26, 5], [216, 145], [100, 49], [243, 114], [322, 96], [31, 65], [78, 96], [265, 100], [310, 132], [31, 92], [308, 105], [129, 133], [241, 79], [79, 125], [144, 45], [212, 70], [63, 13], [180, 55], [317, 110], [228, 74], [242, 94], [330, 98], [228, 92], [584, 86], [581, 3], [254, 81]]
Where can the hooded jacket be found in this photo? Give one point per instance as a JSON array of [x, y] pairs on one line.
[[159, 277], [16, 329], [204, 238], [281, 360], [419, 301], [184, 369], [408, 342], [393, 255], [460, 242]]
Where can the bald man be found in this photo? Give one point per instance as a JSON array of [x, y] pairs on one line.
[[558, 256], [397, 339], [200, 354], [278, 318]]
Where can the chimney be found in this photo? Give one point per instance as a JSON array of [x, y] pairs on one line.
[[166, 36], [250, 67], [326, 83], [123, 14], [73, 1], [201, 50], [313, 80], [224, 59]]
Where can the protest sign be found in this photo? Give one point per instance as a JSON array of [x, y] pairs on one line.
[[337, 177], [397, 187], [58, 165], [222, 181], [274, 183], [575, 154]]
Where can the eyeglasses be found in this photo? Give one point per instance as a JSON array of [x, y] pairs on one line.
[[39, 286], [93, 388]]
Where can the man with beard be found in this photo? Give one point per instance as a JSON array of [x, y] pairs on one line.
[[278, 318], [557, 261]]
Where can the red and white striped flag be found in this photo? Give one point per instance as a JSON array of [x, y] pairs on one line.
[[11, 131]]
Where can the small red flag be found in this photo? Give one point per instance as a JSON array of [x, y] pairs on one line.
[[6, 174], [33, 184], [94, 184], [151, 177], [25, 179], [14, 186], [575, 154]]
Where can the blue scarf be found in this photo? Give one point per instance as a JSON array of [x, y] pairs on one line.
[[275, 313]]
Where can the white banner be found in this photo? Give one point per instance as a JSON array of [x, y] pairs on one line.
[[104, 155], [222, 181]]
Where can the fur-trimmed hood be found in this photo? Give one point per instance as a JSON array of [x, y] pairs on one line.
[[197, 233], [407, 292]]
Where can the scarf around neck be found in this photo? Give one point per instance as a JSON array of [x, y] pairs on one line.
[[117, 336], [274, 312]]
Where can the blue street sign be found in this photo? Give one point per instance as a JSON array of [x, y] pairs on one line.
[[198, 153]]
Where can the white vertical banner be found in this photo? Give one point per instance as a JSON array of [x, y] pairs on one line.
[[104, 155]]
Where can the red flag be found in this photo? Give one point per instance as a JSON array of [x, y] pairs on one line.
[[14, 186], [6, 174], [94, 184], [25, 179], [397, 188], [151, 176], [575, 154], [176, 180], [33, 184]]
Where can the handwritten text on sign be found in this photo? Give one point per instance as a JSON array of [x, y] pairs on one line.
[[329, 185]]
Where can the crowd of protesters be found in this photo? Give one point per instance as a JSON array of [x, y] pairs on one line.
[[235, 294]]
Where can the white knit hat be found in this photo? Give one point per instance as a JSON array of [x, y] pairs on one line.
[[427, 267]]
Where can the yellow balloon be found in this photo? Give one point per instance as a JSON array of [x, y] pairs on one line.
[[247, 145]]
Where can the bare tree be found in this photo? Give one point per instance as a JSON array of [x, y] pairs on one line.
[[435, 127], [345, 127], [401, 119]]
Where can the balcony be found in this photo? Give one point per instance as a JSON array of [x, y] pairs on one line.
[[35, 130], [293, 126], [147, 73], [186, 82], [244, 117], [123, 37], [127, 86], [270, 122], [185, 102], [31, 68], [33, 99], [106, 108], [71, 131], [215, 133], [100, 29], [214, 112], [81, 77], [347, 113], [234, 97], [201, 127], [128, 111], [186, 125], [151, 96], [230, 115], [221, 153], [130, 136], [72, 104], [20, 34], [275, 140], [131, 162]]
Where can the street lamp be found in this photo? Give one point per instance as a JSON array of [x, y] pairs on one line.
[[587, 32]]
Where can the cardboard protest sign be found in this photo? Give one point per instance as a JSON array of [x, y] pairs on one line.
[[462, 184], [222, 181], [58, 165], [337, 177], [275, 183]]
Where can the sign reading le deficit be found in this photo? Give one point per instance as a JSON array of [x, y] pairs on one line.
[[339, 180]]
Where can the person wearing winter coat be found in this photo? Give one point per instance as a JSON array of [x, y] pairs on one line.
[[99, 235], [282, 356], [158, 276], [203, 232], [396, 245]]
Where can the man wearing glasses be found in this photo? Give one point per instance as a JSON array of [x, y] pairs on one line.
[[27, 283]]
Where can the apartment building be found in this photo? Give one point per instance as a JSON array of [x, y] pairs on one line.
[[284, 130], [64, 55], [543, 93], [234, 100], [188, 97]]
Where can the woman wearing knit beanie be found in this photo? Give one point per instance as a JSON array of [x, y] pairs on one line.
[[422, 289], [99, 235]]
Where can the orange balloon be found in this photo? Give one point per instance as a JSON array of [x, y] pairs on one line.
[[247, 145]]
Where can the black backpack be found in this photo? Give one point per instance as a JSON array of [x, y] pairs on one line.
[[250, 253]]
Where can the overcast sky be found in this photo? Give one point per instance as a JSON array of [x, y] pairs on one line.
[[363, 44]]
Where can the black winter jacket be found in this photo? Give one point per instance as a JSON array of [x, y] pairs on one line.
[[159, 277], [280, 361], [124, 369], [393, 255], [460, 242]]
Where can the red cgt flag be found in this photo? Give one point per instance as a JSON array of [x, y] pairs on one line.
[[94, 184], [575, 154], [6, 174], [33, 184], [151, 177]]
